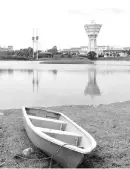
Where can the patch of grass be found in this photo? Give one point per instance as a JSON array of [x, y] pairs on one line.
[[114, 58], [108, 124]]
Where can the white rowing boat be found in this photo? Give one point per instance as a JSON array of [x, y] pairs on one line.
[[58, 136]]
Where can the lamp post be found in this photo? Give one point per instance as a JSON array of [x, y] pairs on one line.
[[35, 40]]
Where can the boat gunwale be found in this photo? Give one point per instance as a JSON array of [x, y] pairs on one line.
[[56, 141]]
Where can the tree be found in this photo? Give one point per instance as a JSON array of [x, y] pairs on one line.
[[118, 55], [128, 52], [91, 55], [53, 50]]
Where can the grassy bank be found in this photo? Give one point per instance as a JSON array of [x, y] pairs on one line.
[[114, 58], [67, 61], [108, 124]]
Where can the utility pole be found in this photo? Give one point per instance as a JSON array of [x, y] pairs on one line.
[[33, 40], [37, 38]]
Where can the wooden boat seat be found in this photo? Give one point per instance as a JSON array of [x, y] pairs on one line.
[[48, 123], [65, 136], [42, 113]]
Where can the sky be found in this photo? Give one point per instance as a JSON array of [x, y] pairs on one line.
[[61, 22]]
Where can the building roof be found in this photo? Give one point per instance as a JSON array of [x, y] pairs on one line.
[[75, 48], [103, 46], [83, 46]]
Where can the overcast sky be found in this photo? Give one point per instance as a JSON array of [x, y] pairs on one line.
[[61, 22]]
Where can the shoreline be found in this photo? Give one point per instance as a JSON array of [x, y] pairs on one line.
[[67, 61], [50, 60], [108, 124]]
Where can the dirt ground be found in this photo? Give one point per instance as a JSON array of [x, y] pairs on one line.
[[108, 124]]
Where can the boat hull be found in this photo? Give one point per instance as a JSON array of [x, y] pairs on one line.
[[67, 158]]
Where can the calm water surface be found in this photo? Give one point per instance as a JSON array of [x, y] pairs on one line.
[[33, 84]]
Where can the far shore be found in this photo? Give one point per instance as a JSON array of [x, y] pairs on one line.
[[65, 60], [114, 58], [108, 124]]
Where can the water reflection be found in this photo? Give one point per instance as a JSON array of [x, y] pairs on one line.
[[51, 85], [92, 88], [12, 71], [99, 70], [54, 72], [35, 73], [6, 71], [36, 76], [35, 80], [106, 70]]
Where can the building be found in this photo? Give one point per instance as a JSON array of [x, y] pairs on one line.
[[106, 51], [74, 50], [92, 31], [83, 49], [102, 48], [126, 48], [10, 48]]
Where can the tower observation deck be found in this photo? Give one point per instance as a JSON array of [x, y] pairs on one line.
[[92, 30]]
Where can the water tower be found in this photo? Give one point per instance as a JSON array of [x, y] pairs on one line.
[[92, 30]]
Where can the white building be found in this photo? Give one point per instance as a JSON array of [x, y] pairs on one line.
[[102, 48], [10, 48], [83, 49]]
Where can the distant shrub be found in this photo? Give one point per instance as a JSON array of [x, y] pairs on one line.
[[100, 55], [128, 52], [83, 56], [91, 55], [53, 50]]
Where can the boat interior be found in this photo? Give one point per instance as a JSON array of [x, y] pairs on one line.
[[58, 127]]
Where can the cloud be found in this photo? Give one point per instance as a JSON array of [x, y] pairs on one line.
[[95, 10], [114, 10], [75, 12], [117, 10]]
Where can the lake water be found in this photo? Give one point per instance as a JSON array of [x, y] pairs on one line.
[[33, 84]]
